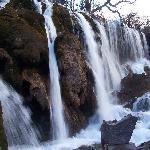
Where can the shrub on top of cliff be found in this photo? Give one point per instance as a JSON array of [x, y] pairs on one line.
[[62, 19]]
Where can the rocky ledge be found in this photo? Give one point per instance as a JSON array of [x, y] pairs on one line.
[[134, 85]]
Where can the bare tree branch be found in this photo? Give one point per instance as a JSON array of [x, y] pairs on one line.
[[114, 11], [98, 7], [122, 1], [108, 4]]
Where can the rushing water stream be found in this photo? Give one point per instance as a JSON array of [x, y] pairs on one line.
[[108, 62]]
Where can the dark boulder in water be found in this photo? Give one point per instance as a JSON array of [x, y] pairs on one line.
[[144, 146], [118, 132], [3, 140], [134, 85]]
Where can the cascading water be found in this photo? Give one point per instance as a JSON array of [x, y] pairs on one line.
[[108, 69], [113, 71], [133, 44], [57, 113], [110, 54], [17, 121], [96, 64]]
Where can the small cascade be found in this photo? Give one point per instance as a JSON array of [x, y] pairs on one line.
[[134, 46], [17, 121], [57, 111], [96, 64]]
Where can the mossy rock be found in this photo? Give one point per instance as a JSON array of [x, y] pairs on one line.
[[27, 4], [62, 19], [34, 19], [3, 141]]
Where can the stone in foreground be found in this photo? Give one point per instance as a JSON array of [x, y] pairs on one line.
[[118, 132]]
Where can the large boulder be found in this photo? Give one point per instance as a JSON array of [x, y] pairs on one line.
[[134, 85], [3, 140], [118, 132], [144, 146]]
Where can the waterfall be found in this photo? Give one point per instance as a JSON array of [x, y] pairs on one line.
[[133, 44], [113, 71], [57, 111], [120, 47], [96, 64], [17, 121]]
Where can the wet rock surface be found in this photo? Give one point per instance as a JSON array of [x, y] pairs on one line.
[[118, 132], [134, 85], [144, 146]]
